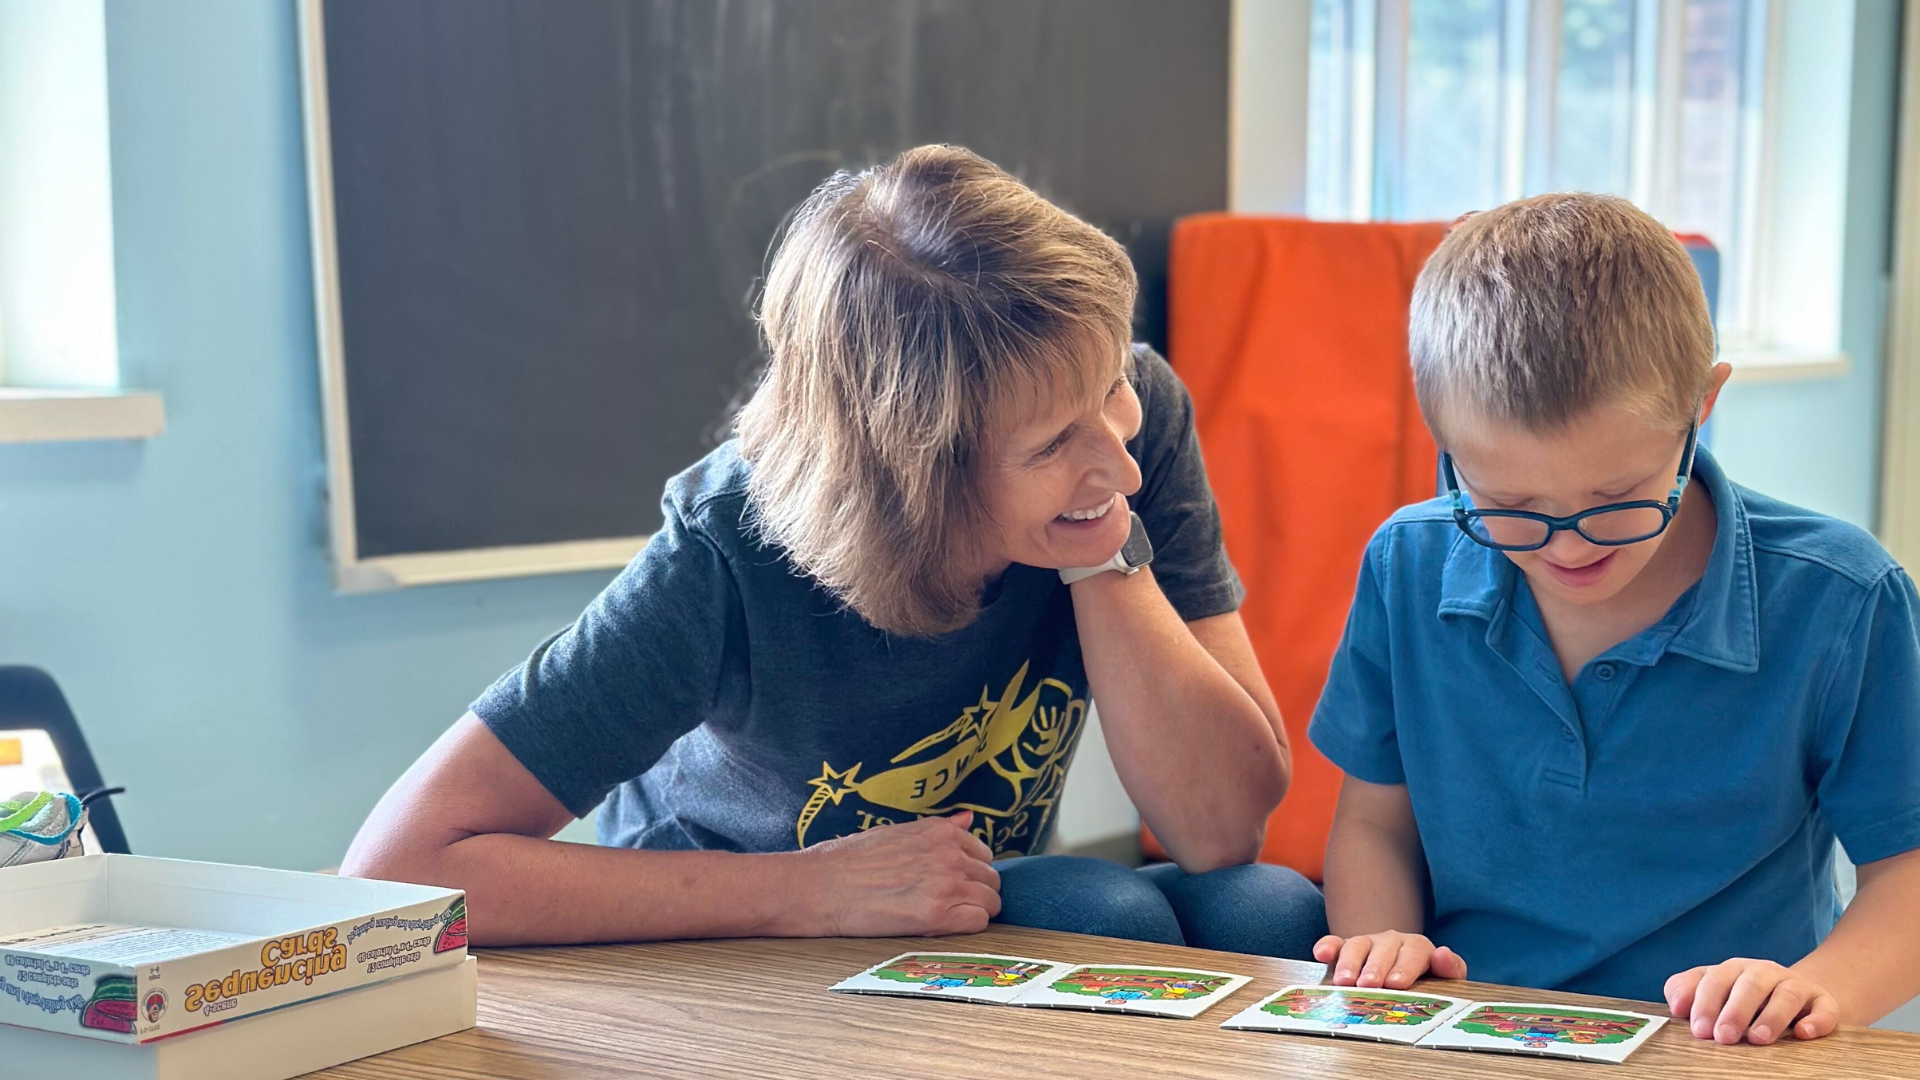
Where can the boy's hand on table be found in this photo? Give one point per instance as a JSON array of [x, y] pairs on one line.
[[1755, 1000], [929, 878], [1387, 959]]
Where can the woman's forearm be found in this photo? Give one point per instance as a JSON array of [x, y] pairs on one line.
[[469, 816], [522, 890], [1871, 961], [1199, 756]]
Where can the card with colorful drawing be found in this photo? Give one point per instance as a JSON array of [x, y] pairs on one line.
[[1181, 993], [1382, 1015], [1546, 1030], [979, 977], [1433, 1021]]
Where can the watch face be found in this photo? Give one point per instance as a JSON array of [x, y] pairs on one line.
[[1138, 551]]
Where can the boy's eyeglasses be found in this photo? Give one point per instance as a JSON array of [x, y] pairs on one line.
[[1612, 525]]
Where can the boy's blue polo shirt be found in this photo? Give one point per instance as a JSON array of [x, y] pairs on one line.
[[1677, 804]]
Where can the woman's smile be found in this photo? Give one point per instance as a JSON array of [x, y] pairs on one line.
[[1090, 515]]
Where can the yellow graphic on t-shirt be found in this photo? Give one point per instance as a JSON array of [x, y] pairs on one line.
[[1023, 743]]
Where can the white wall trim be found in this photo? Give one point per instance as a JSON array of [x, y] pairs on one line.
[[318, 132], [382, 573], [1272, 43], [1763, 366], [1900, 448], [38, 415], [1800, 245]]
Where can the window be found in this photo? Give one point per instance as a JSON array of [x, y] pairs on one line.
[[56, 217], [60, 376], [1426, 109]]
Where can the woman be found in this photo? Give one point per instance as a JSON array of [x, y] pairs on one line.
[[839, 692]]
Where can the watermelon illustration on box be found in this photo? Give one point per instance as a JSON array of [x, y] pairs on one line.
[[111, 1007], [453, 928]]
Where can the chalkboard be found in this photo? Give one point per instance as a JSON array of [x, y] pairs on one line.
[[544, 222]]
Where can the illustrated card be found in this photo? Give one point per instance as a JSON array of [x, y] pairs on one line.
[[1546, 1030], [1152, 991], [979, 977], [1383, 1015]]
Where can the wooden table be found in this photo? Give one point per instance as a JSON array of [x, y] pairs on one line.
[[761, 1009]]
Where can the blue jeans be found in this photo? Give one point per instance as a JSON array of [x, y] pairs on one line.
[[1259, 909]]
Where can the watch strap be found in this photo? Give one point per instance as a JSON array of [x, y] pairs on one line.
[[1137, 542], [1081, 573]]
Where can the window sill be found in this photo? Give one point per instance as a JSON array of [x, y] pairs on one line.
[[1752, 366], [34, 415]]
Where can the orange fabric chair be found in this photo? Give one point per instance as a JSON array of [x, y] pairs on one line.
[[1292, 337]]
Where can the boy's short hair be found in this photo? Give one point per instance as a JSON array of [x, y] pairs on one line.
[[1536, 311]]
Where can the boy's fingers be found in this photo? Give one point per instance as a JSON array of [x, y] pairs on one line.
[[1347, 967], [1379, 962], [1787, 1002], [1709, 997], [1679, 991], [1823, 1016], [1327, 948], [1415, 958], [1447, 964], [1750, 992]]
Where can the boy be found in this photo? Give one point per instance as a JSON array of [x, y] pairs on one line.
[[1603, 713]]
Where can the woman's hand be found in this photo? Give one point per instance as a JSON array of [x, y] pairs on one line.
[[1389, 959], [924, 878], [1755, 1000]]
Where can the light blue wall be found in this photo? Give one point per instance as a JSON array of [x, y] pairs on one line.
[[1817, 443], [179, 588]]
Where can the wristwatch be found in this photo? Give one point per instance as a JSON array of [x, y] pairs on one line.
[[1136, 553]]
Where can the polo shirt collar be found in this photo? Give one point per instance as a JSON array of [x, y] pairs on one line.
[[1724, 629], [1722, 620], [1474, 580]]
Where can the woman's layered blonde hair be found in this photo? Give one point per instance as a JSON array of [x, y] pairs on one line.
[[910, 311]]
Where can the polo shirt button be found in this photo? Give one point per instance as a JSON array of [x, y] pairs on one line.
[[1603, 672]]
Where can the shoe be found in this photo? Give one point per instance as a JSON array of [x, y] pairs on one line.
[[40, 826]]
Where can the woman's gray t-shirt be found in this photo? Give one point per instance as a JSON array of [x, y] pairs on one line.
[[717, 699]]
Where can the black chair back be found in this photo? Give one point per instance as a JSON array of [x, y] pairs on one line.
[[29, 700]]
